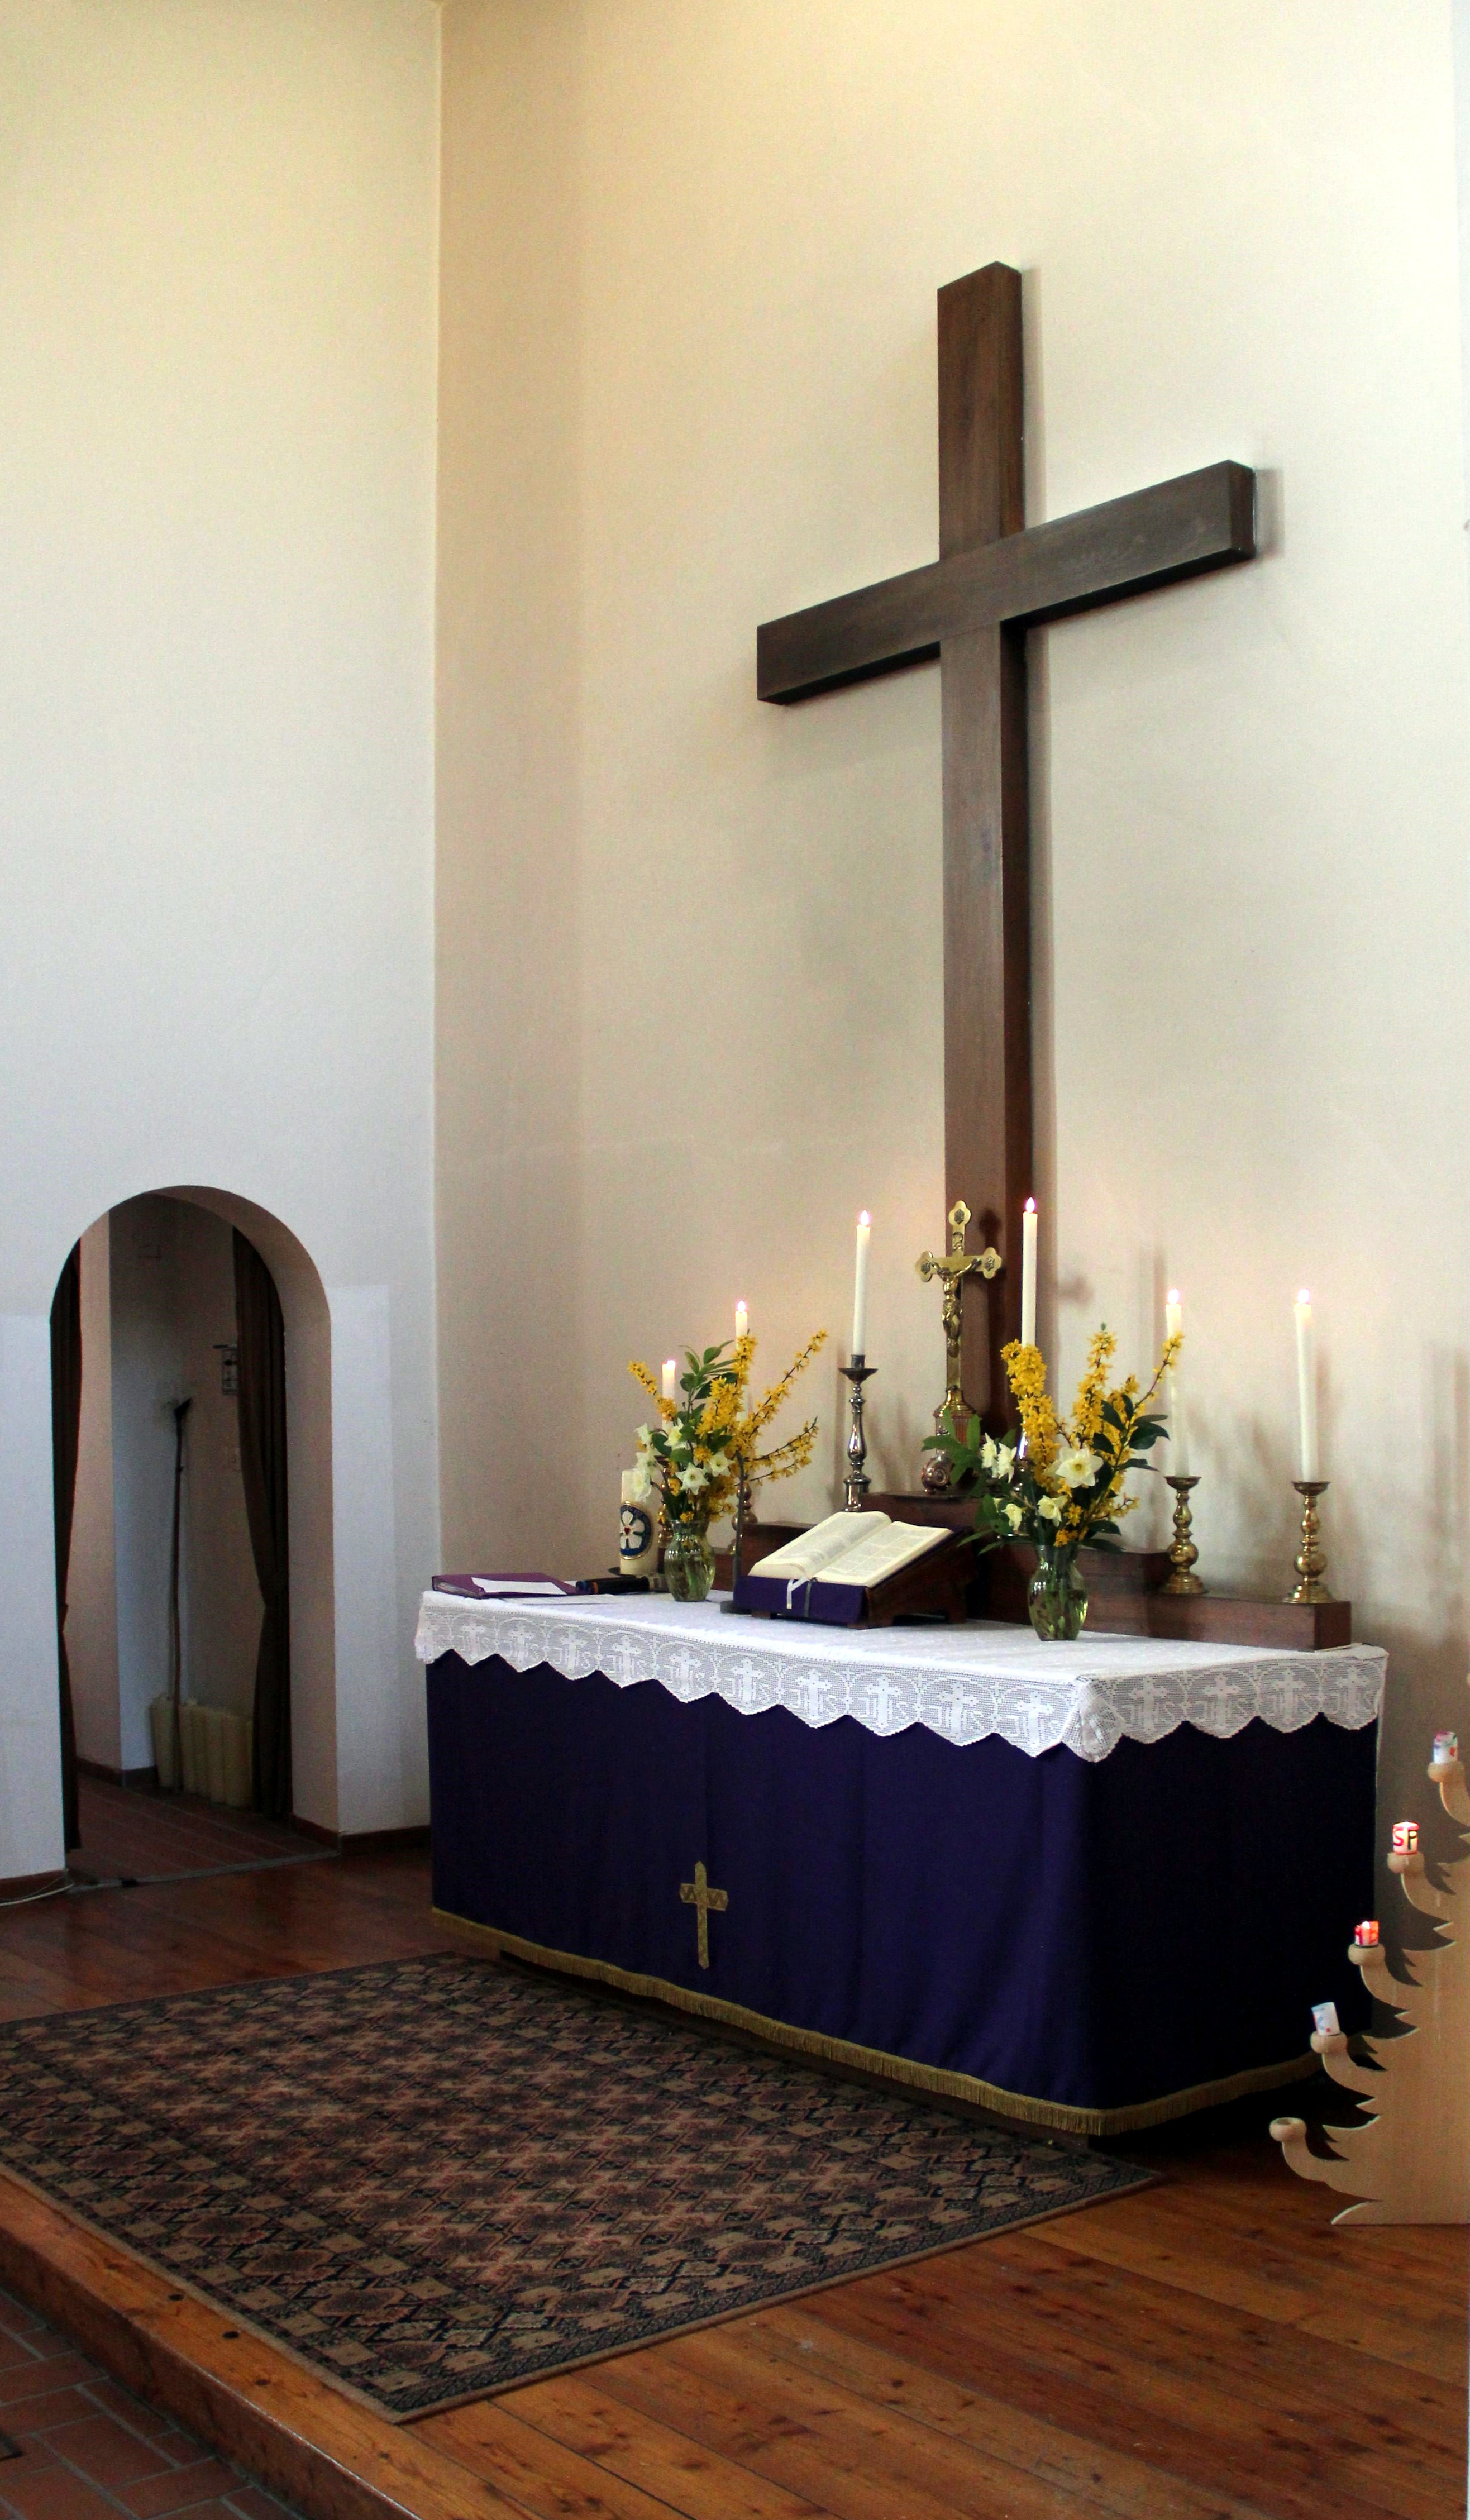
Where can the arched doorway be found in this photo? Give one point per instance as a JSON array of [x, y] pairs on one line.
[[172, 1283]]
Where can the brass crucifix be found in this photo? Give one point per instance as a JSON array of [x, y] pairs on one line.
[[698, 1894], [952, 1270]]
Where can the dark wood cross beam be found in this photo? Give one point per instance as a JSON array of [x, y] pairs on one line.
[[995, 579]]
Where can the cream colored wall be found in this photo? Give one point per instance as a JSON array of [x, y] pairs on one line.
[[217, 350], [510, 1153], [689, 948]]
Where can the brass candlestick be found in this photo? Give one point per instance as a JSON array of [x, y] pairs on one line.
[[858, 1482], [1183, 1554], [744, 1514], [1312, 1563]]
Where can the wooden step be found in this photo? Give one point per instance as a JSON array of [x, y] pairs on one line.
[[322, 2450]]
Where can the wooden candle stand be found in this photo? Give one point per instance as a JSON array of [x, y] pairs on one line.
[[1410, 2162]]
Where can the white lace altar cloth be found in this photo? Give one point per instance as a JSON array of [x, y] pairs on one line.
[[964, 1684]]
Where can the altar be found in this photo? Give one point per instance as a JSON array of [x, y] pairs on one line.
[[1090, 1885]]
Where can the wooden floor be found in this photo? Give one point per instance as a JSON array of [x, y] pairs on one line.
[[138, 1836], [1208, 2348]]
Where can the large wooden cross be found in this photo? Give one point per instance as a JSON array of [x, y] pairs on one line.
[[971, 608]]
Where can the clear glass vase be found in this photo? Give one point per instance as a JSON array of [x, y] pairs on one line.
[[689, 1561], [1055, 1598]]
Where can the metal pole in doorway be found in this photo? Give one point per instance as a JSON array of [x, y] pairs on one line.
[[181, 1409]]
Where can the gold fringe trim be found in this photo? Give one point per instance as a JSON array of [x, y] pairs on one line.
[[877, 2060]]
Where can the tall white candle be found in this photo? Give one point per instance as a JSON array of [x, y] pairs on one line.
[[670, 1375], [743, 1320], [1307, 1385], [1179, 1449], [860, 1285], [1027, 1275]]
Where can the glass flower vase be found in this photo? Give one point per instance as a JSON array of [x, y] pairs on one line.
[[689, 1561], [1055, 1597]]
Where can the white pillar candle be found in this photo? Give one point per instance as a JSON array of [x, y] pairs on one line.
[[743, 1320], [1179, 1449], [860, 1285], [1305, 1386], [1027, 1275], [670, 1375]]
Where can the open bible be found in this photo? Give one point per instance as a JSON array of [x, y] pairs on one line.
[[858, 1569]]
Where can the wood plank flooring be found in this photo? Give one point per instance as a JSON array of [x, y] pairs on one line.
[[138, 1835], [1209, 2349]]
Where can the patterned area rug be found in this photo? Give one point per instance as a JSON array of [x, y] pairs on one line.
[[432, 2179]]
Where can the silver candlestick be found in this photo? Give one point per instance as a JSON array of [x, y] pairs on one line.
[[858, 1481]]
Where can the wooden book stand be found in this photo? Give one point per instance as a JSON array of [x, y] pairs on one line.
[[933, 1587]]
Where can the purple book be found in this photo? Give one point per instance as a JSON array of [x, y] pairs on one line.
[[505, 1588]]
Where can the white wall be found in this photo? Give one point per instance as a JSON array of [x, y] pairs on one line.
[[217, 313], [689, 1010]]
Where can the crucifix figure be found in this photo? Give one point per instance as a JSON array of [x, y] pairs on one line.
[[952, 1269], [996, 578], [698, 1894]]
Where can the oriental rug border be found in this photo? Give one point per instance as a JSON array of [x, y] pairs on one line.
[[428, 2181], [904, 2070]]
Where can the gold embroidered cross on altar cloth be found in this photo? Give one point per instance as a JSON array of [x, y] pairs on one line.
[[698, 1894]]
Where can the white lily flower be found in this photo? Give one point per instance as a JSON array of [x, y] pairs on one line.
[[1077, 1469], [1005, 1455], [989, 1453], [1014, 1516], [1051, 1508], [696, 1476]]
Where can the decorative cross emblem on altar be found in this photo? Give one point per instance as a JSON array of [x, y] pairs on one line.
[[952, 1269], [698, 1894], [994, 580]]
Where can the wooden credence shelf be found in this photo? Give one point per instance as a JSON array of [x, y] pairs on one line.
[[1126, 1595]]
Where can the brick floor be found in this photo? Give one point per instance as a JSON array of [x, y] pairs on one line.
[[91, 2452]]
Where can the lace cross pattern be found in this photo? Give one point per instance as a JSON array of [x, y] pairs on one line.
[[965, 1684]]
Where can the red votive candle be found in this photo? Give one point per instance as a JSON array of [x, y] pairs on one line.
[[1405, 1837], [1366, 1935]]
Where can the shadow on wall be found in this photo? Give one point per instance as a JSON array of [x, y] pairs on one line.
[[191, 1294]]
